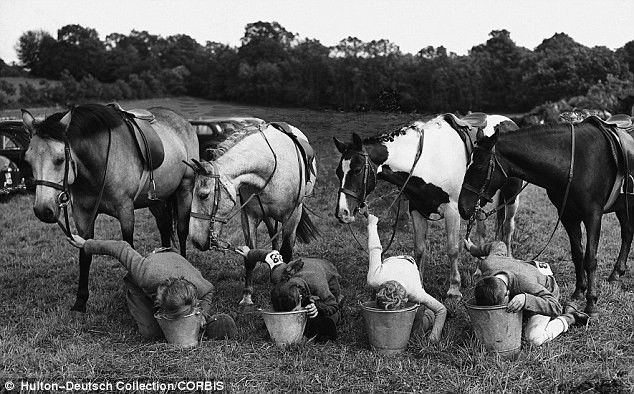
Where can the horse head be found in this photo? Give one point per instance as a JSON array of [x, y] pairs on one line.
[[483, 178], [213, 201], [50, 158], [357, 178]]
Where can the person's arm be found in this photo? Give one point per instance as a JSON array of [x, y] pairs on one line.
[[440, 311], [374, 250], [120, 250], [205, 302], [327, 307], [495, 248], [541, 301]]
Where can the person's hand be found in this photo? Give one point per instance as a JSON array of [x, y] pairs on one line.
[[517, 303], [372, 220], [468, 244], [243, 250], [76, 241], [311, 310]]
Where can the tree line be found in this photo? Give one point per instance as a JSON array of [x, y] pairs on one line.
[[273, 66]]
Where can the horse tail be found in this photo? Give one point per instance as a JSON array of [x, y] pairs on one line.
[[306, 230]]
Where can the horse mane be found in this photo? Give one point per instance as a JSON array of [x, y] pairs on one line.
[[389, 136], [86, 118], [233, 140]]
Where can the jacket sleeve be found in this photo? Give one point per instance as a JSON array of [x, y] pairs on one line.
[[541, 301], [327, 307], [440, 311], [120, 250], [495, 248], [205, 302]]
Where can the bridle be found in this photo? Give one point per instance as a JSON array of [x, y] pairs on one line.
[[63, 198], [368, 171], [219, 185]]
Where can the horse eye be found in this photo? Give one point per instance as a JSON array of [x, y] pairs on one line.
[[58, 162], [203, 194]]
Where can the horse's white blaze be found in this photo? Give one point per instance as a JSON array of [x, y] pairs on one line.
[[343, 201]]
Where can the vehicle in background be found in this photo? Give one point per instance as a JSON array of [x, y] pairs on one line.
[[15, 172], [212, 131]]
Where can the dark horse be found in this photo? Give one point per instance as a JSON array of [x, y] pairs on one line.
[[89, 158], [542, 155]]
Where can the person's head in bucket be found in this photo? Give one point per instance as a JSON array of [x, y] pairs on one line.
[[163, 286], [307, 283], [391, 295], [491, 291]]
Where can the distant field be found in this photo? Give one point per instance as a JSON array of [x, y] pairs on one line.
[[41, 339]]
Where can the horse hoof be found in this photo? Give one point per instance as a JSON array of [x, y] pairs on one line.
[[577, 295], [614, 277], [592, 311], [79, 308]]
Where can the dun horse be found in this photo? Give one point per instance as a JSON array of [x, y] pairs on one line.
[[580, 172], [430, 159], [263, 172], [88, 157]]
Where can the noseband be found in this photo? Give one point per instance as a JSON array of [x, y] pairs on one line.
[[367, 170], [213, 217], [63, 198]]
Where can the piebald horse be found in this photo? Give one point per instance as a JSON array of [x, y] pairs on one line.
[[433, 185], [88, 158], [261, 173]]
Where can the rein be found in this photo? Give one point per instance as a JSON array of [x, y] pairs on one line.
[[63, 199]]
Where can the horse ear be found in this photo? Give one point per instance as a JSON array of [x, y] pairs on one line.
[[28, 120], [341, 146], [357, 142], [65, 121], [190, 165]]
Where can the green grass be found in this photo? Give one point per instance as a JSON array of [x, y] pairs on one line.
[[41, 338]]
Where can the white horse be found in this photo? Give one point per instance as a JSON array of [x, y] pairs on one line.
[[263, 172], [431, 159]]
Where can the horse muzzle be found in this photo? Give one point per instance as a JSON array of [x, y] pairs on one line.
[[46, 213]]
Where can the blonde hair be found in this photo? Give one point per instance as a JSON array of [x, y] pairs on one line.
[[176, 296], [391, 295]]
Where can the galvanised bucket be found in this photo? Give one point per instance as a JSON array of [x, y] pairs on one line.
[[498, 330], [285, 328], [388, 330]]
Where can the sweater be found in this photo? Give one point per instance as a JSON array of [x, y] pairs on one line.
[[402, 269], [149, 272], [542, 292]]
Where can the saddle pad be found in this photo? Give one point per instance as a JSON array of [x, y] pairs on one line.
[[467, 131], [304, 146]]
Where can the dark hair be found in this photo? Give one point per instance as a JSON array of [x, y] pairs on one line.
[[391, 295], [490, 291], [286, 295], [175, 296]]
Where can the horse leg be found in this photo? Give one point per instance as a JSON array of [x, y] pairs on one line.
[[87, 231], [249, 230], [593, 231], [452, 227], [271, 225], [627, 231], [509, 224], [573, 228], [420, 226], [163, 216], [289, 234], [183, 210]]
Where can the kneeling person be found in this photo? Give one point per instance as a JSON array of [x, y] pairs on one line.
[[164, 282], [523, 285]]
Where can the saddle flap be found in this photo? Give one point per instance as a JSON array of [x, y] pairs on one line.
[[304, 146], [621, 121]]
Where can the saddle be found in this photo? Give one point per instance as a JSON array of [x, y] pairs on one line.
[[148, 142], [467, 127], [617, 131], [308, 153]]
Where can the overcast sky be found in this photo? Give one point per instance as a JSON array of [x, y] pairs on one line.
[[411, 24]]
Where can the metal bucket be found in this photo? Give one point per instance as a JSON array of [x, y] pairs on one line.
[[183, 331], [285, 328], [388, 331], [498, 330]]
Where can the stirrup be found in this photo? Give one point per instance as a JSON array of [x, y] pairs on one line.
[[151, 194]]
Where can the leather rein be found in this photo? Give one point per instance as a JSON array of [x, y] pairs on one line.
[[219, 185], [480, 214], [63, 199], [361, 199]]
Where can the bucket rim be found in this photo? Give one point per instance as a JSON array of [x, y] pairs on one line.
[[195, 311], [470, 304], [273, 313], [409, 307]]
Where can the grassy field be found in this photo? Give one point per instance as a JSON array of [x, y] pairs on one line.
[[41, 339]]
